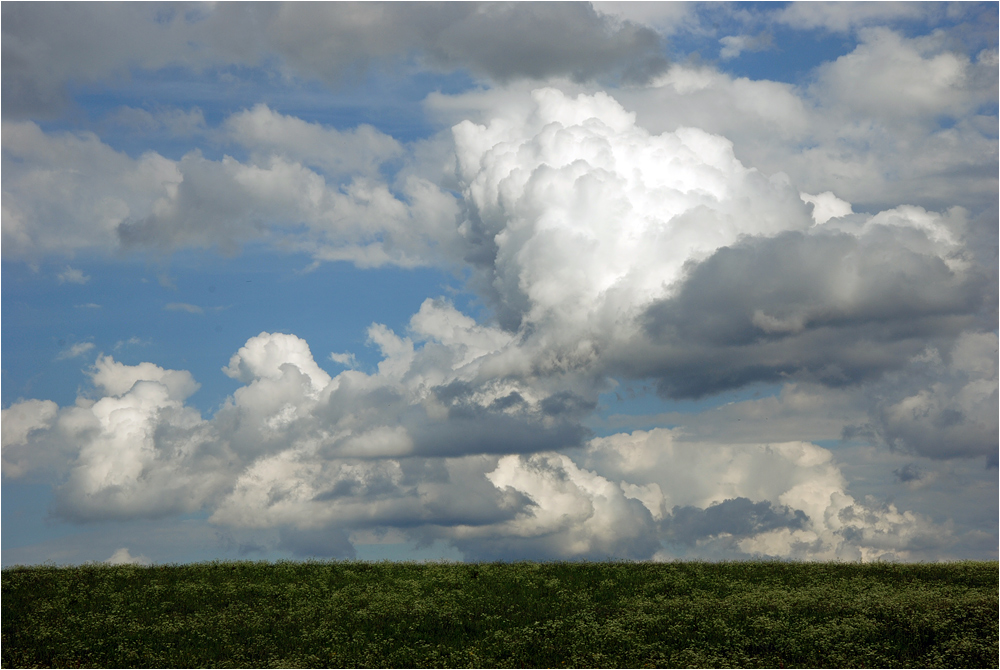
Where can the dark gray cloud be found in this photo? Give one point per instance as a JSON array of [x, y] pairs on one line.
[[943, 404], [833, 308], [908, 473], [47, 46], [478, 431], [739, 517], [508, 425], [543, 39]]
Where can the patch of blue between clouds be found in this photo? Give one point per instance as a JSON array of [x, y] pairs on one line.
[[208, 308]]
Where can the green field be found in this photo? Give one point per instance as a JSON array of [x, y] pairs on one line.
[[538, 615]]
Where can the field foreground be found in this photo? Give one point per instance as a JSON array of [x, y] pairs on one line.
[[539, 615]]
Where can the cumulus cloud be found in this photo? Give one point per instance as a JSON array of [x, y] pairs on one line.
[[136, 451], [894, 78], [942, 406], [783, 499], [264, 355], [319, 457], [70, 193], [619, 252], [747, 314], [579, 214], [19, 421], [65, 192], [868, 128]]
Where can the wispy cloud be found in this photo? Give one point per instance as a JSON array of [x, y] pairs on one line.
[[132, 341], [72, 276], [77, 349], [183, 307], [346, 359], [734, 45]]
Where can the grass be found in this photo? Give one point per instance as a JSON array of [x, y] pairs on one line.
[[539, 615]]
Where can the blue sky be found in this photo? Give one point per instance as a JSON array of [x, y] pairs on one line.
[[476, 282]]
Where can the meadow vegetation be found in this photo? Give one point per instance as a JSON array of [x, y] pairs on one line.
[[502, 615]]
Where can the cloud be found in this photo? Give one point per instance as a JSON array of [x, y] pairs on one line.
[[346, 359], [873, 127], [665, 17], [581, 215], [908, 473], [799, 411], [568, 39], [318, 457], [891, 77], [20, 420], [132, 341], [617, 252], [942, 407], [78, 349], [800, 305], [737, 517], [613, 241], [734, 45], [263, 357], [73, 276], [334, 153], [573, 513], [70, 193], [839, 18], [123, 557], [780, 499], [44, 50], [136, 452], [172, 121], [183, 307], [827, 206], [116, 379]]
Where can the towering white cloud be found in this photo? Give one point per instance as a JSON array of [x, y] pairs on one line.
[[583, 215]]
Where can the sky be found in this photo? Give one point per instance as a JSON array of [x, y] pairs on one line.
[[482, 282]]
